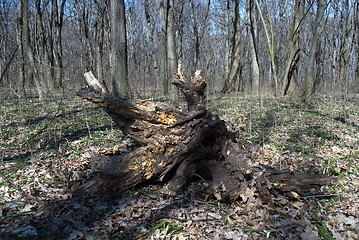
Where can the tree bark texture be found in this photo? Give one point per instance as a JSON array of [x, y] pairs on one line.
[[30, 55], [21, 56], [57, 35], [291, 70], [171, 40], [235, 63], [120, 85], [163, 37], [252, 34], [174, 144], [310, 75]]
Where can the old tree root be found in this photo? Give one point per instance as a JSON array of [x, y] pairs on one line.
[[174, 144]]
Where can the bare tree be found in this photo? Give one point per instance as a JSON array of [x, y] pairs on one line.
[[120, 85], [169, 59], [291, 70], [76, 35], [235, 63], [198, 32], [270, 42], [83, 13], [163, 39], [345, 39], [252, 34], [57, 16], [30, 55], [171, 40], [21, 56], [310, 75], [45, 42], [150, 27], [49, 22]]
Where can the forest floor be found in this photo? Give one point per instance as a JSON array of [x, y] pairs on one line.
[[46, 149]]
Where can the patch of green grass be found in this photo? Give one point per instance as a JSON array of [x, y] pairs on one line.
[[18, 215], [148, 195], [322, 229], [167, 228], [263, 233]]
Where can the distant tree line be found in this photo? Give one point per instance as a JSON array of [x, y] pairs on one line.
[[276, 47]]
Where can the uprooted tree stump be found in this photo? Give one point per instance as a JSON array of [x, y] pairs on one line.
[[174, 144]]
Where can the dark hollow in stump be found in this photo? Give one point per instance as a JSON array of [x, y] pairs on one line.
[[177, 143]]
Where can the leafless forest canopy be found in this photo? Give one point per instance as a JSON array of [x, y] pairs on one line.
[[255, 47]]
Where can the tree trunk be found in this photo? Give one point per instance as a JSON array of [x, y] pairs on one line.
[[163, 49], [227, 55], [198, 34], [175, 144], [171, 40], [229, 83], [252, 33], [100, 38], [30, 55], [310, 76], [21, 56], [270, 42], [171, 45], [347, 42], [291, 71], [46, 42], [120, 85], [57, 35], [150, 27]]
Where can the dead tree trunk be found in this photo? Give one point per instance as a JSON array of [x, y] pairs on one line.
[[177, 143]]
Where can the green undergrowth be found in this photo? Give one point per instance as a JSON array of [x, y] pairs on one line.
[[46, 147], [50, 138], [323, 134]]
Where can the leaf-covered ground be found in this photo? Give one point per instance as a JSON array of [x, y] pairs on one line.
[[46, 149]]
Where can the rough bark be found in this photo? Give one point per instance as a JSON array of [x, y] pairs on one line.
[[151, 28], [21, 56], [171, 40], [30, 55], [177, 143], [252, 33], [346, 43], [229, 82], [163, 49], [310, 75], [45, 42], [57, 35], [171, 45], [291, 71], [119, 72]]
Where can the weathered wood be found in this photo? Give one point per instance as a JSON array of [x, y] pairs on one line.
[[175, 144]]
